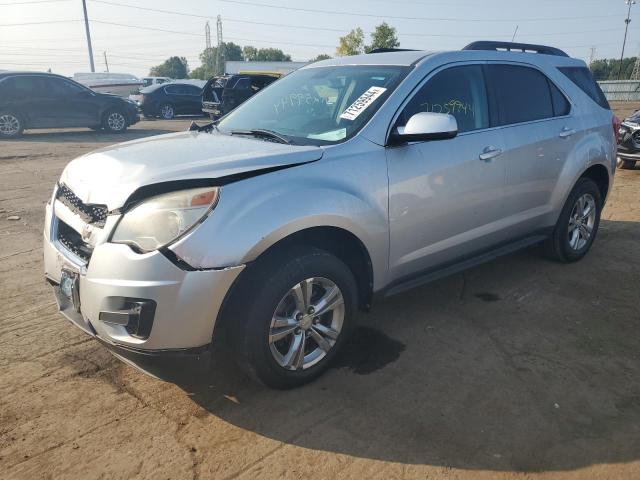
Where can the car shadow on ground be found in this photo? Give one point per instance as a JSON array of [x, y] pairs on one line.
[[519, 364]]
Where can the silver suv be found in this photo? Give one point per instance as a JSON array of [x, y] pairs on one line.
[[348, 179]]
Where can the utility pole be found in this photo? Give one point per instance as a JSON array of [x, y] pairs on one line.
[[86, 27], [207, 36], [106, 63], [592, 55], [219, 54], [626, 29], [514, 34]]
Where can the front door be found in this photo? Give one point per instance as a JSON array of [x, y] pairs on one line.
[[446, 196], [69, 105]]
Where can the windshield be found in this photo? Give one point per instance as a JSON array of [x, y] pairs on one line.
[[317, 106]]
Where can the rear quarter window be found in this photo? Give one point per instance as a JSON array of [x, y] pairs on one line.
[[582, 77]]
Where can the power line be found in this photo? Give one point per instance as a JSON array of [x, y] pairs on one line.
[[147, 28], [37, 23], [30, 3], [399, 17]]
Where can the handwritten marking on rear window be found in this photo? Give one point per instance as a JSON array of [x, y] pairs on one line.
[[362, 103]]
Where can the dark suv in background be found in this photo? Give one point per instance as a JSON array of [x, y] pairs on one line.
[[222, 94], [31, 100], [170, 99]]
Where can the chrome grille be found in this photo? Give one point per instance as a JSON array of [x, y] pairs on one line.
[[90, 213]]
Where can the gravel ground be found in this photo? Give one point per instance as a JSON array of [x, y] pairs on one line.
[[520, 368]]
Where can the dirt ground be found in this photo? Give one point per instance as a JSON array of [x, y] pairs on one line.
[[520, 368]]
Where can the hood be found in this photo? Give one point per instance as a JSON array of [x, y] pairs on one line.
[[110, 175]]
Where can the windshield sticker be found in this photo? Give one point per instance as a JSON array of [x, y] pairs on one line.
[[332, 136], [362, 103]]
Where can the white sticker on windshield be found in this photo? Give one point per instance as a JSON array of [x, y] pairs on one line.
[[361, 104]]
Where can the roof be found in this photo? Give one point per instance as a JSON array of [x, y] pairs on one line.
[[401, 58]]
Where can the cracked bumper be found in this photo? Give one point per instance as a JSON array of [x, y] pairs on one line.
[[187, 302]]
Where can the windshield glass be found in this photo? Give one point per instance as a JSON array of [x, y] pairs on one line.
[[318, 106]]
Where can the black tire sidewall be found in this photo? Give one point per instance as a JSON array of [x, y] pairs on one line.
[[583, 186], [20, 129], [270, 283]]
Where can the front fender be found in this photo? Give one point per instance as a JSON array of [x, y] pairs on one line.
[[256, 213]]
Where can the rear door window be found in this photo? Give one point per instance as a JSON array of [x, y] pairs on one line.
[[458, 91], [583, 78], [174, 89], [242, 84], [523, 94], [192, 90], [561, 105], [23, 86]]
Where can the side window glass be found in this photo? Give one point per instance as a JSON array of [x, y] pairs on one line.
[[458, 91], [173, 89], [242, 84], [22, 87], [561, 105], [523, 94], [191, 90]]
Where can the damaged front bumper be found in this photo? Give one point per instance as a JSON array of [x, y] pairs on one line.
[[146, 309]]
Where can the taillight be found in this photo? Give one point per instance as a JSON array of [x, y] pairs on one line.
[[616, 128]]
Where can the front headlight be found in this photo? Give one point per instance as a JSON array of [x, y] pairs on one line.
[[163, 219]]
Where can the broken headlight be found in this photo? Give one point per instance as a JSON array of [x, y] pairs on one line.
[[161, 220]]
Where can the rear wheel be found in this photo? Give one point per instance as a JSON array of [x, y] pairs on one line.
[[578, 223], [114, 121], [10, 125], [167, 111], [301, 312], [625, 164]]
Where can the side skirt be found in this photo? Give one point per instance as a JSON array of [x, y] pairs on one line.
[[444, 270]]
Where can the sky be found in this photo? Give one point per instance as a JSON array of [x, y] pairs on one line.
[[42, 34]]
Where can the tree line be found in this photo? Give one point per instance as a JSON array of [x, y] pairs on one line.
[[353, 43]]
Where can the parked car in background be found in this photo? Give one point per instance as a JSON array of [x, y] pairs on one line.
[[121, 84], [350, 179], [629, 141], [170, 99], [222, 94], [148, 81], [30, 100]]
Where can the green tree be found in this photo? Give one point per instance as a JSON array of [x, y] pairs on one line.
[[322, 56], [174, 67], [250, 53], [384, 36], [352, 43]]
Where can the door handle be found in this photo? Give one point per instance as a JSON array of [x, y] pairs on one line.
[[567, 132], [490, 153]]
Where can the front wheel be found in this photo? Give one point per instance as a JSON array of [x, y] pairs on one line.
[[114, 121], [301, 312], [578, 223]]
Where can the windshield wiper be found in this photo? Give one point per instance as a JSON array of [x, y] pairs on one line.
[[259, 132]]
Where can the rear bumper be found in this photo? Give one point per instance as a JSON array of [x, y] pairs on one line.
[[212, 108], [627, 155]]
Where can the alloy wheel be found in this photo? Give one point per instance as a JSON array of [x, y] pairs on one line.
[[116, 121], [581, 221], [167, 112], [9, 124], [307, 323]]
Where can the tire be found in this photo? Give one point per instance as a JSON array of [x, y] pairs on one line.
[[625, 164], [571, 239], [11, 125], [167, 111], [267, 351], [114, 121]]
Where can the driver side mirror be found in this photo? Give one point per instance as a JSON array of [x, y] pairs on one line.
[[425, 126]]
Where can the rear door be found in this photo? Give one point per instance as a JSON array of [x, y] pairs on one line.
[[540, 133], [193, 98], [446, 196], [25, 94]]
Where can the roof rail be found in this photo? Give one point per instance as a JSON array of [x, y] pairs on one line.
[[520, 47], [387, 50]]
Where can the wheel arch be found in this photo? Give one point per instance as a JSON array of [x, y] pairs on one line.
[[600, 175]]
